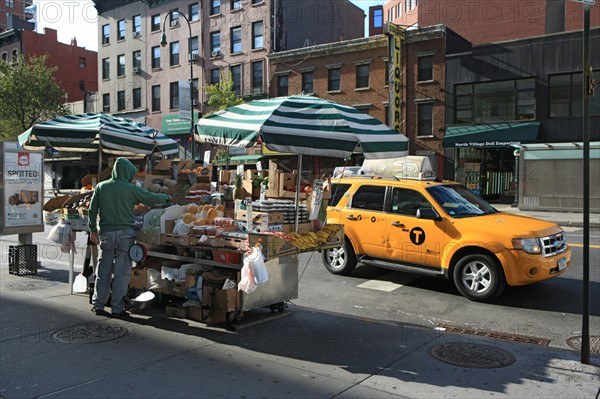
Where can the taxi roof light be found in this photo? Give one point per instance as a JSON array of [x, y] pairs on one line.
[[413, 167]]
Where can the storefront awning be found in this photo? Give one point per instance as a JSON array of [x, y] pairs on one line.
[[172, 125], [491, 135]]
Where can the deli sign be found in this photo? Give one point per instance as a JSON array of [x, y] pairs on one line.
[[395, 38]]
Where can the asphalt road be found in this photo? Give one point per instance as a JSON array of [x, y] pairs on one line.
[[550, 309]]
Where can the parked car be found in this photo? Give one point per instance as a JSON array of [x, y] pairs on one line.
[[441, 228]]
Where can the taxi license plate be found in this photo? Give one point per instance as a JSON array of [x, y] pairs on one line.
[[562, 264]]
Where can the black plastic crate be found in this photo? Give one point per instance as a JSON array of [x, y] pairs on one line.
[[22, 259]]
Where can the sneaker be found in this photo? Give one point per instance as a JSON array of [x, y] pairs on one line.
[[100, 312], [123, 313]]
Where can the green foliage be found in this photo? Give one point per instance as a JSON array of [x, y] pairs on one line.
[[29, 94], [222, 156], [238, 180], [221, 95]]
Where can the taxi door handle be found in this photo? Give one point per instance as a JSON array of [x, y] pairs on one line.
[[398, 224], [351, 217]]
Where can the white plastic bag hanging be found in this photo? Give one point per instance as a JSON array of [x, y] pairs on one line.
[[247, 283], [181, 228], [257, 263]]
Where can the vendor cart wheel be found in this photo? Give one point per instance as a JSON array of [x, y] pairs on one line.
[[278, 307], [340, 260], [234, 317]]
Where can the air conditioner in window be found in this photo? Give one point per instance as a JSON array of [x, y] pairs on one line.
[[136, 70], [257, 91], [137, 34], [174, 24], [195, 102], [193, 57], [215, 53]]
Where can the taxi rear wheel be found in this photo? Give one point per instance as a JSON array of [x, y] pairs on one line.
[[340, 260], [479, 277]]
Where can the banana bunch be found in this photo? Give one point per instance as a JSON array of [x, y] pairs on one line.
[[313, 240]]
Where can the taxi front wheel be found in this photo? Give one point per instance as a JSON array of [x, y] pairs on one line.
[[340, 260], [479, 277]]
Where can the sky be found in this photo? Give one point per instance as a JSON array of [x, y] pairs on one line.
[[77, 18]]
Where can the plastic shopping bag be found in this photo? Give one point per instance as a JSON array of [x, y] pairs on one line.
[[247, 283], [259, 269]]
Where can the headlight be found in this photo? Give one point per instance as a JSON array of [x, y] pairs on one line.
[[529, 245]]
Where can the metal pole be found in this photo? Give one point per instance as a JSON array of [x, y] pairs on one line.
[[585, 322]]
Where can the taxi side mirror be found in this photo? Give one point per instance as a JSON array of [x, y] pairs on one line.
[[428, 213]]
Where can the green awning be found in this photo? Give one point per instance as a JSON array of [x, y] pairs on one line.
[[242, 160], [172, 125], [491, 135]]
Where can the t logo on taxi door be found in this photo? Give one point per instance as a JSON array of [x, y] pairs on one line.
[[417, 236]]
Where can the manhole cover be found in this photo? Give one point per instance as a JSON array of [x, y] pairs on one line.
[[472, 355], [575, 343], [89, 334]]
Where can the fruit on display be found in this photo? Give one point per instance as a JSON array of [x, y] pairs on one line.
[[314, 239]]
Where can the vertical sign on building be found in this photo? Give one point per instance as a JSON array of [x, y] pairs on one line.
[[395, 38], [185, 106]]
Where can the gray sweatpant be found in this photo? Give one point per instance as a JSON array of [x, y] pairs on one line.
[[114, 260]]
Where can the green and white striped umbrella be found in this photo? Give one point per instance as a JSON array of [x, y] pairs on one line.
[[303, 125], [93, 132]]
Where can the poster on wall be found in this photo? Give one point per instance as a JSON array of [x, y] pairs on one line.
[[22, 189]]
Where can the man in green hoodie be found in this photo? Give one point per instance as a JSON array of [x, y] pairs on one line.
[[113, 200]]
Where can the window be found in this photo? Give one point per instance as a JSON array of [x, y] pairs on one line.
[[174, 95], [407, 202], [500, 101], [566, 95], [121, 65], [257, 77], [215, 43], [194, 45], [236, 75], [5, 56], [155, 23], [136, 59], [81, 85], [120, 100], [105, 68], [156, 98], [15, 55], [333, 79], [137, 98], [105, 34], [378, 18], [307, 82], [236, 4], [194, 14], [282, 85], [136, 23], [155, 57], [9, 3], [215, 76], [82, 63], [425, 71], [121, 30], [195, 90], [174, 17], [256, 1], [174, 54], [236, 39], [425, 127], [215, 7], [257, 35], [410, 5], [362, 76], [369, 197], [106, 103]]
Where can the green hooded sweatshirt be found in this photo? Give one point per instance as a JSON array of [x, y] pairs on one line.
[[114, 199]]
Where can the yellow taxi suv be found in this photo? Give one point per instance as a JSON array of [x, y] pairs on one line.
[[441, 228]]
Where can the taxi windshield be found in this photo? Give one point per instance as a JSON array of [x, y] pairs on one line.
[[460, 202]]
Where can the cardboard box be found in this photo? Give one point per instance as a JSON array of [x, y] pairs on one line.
[[139, 278], [177, 311], [164, 167], [216, 304], [303, 228], [225, 176], [260, 217], [55, 203], [178, 289]]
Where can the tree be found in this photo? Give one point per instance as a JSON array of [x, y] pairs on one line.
[[221, 94], [29, 94]]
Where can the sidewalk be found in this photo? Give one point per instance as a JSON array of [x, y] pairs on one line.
[[564, 219], [52, 346]]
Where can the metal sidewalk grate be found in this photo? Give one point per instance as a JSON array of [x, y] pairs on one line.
[[494, 334]]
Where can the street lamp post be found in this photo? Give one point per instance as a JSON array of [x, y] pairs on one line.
[[163, 43]]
